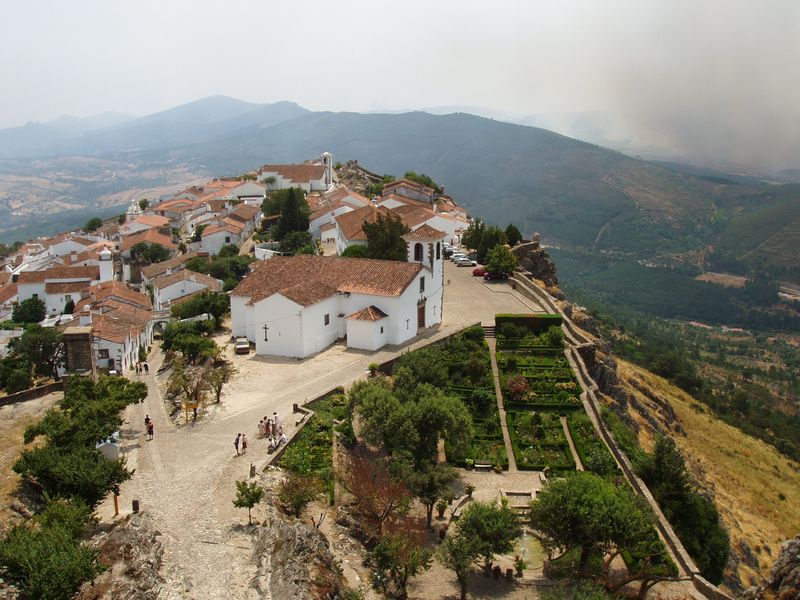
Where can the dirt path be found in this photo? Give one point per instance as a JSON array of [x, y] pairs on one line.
[[512, 463], [575, 455]]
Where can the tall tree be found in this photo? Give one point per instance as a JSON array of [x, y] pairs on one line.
[[492, 236], [400, 555], [474, 234], [43, 347], [501, 260], [429, 485], [459, 552], [385, 238], [493, 527], [294, 213], [32, 310], [513, 235], [93, 224]]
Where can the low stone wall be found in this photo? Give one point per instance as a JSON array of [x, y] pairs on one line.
[[386, 367], [575, 339], [37, 392]]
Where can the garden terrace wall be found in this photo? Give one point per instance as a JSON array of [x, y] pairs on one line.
[[534, 322], [679, 554], [386, 367], [36, 392]]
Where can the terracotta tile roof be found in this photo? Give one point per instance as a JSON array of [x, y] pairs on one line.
[[152, 220], [110, 328], [244, 212], [371, 313], [355, 275], [233, 222], [66, 236], [171, 203], [148, 236], [326, 209], [56, 273], [327, 226], [426, 232], [186, 275], [424, 189], [157, 269], [404, 200], [8, 292], [138, 317], [216, 205], [114, 290], [5, 277], [343, 192], [66, 288], [295, 173], [308, 292], [413, 215], [351, 223], [224, 226]]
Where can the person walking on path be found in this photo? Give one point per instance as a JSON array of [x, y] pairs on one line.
[[146, 368], [236, 443], [244, 443], [150, 430], [276, 420], [147, 421]]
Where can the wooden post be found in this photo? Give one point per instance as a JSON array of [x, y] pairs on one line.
[[116, 505]]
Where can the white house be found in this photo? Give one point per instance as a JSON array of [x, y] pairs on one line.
[[250, 192], [56, 286], [326, 216], [249, 217], [410, 189], [220, 234], [298, 305], [171, 289], [349, 226], [308, 177], [144, 222], [167, 267]]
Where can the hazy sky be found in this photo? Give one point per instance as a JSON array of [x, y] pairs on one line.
[[715, 78]]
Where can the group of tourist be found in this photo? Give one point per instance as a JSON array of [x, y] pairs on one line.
[[142, 368], [272, 429]]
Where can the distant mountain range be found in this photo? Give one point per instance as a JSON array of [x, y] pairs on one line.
[[576, 194]]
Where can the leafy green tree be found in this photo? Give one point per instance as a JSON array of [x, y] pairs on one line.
[[423, 179], [429, 485], [17, 380], [493, 528], [150, 253], [295, 241], [69, 306], [121, 219], [401, 555], [492, 236], [296, 491], [197, 235], [144, 203], [93, 224], [356, 251], [501, 260], [228, 250], [247, 496], [217, 304], [218, 377], [474, 234], [42, 347], [513, 235], [695, 518], [587, 513], [32, 310], [294, 213], [175, 330], [385, 238], [459, 552]]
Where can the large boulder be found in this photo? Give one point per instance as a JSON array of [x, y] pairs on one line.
[[533, 258], [783, 582], [294, 561]]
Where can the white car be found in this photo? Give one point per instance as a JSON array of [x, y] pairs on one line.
[[457, 256], [241, 346], [465, 262]]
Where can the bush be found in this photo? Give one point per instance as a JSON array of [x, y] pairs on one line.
[[31, 310], [18, 380], [516, 387], [511, 330], [474, 333]]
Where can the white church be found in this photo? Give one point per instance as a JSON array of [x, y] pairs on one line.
[[297, 306]]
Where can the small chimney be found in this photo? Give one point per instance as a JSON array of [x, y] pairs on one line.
[[86, 316]]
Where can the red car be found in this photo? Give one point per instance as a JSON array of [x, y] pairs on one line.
[[478, 272], [491, 276]]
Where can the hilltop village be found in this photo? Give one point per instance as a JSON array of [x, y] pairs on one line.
[[112, 285], [401, 426]]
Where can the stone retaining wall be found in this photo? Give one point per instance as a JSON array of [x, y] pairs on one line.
[[575, 338], [37, 392]]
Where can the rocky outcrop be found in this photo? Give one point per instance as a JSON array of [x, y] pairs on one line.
[[533, 258], [294, 561], [783, 582], [133, 552]]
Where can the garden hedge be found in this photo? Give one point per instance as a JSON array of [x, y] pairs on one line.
[[536, 323]]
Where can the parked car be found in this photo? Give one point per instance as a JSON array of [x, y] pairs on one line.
[[241, 346], [493, 276], [456, 256], [465, 262], [448, 252], [478, 271]]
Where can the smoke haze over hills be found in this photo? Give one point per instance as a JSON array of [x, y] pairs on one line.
[[711, 81]]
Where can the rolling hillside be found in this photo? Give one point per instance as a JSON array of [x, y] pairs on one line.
[[754, 487]]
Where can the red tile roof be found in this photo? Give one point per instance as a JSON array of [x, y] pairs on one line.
[[115, 290], [426, 232], [244, 212], [311, 278], [157, 269], [148, 236], [371, 313], [351, 223], [423, 189], [66, 288], [224, 226], [8, 292], [59, 273], [186, 275]]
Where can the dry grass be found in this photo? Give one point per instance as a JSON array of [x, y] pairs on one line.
[[13, 421], [748, 476]]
